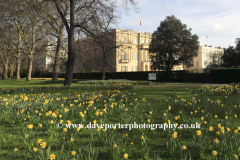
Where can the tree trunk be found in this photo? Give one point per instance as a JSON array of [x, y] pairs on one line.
[[11, 71], [18, 68], [18, 58], [29, 74], [70, 61], [5, 70], [57, 55], [103, 74], [71, 52]]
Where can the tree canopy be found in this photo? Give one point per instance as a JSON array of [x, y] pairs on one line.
[[172, 44], [231, 57]]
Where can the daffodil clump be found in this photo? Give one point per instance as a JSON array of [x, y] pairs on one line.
[[46, 126], [37, 118], [215, 110]]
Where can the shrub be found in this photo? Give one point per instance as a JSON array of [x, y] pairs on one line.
[[83, 71], [93, 71], [193, 70]]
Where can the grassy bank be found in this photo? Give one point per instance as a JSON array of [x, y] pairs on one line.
[[29, 123]]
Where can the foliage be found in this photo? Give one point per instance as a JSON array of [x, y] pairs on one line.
[[216, 61], [83, 71], [231, 57], [93, 71], [193, 70], [172, 44]]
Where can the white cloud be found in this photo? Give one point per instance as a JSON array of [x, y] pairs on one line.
[[217, 27]]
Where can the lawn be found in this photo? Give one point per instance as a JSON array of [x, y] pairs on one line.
[[29, 122]]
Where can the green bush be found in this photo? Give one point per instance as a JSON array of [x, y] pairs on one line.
[[93, 71], [83, 71], [193, 70]]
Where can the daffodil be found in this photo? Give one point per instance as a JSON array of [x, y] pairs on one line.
[[184, 147], [73, 153], [30, 126], [198, 132], [35, 149], [214, 153], [125, 156], [43, 145], [52, 156]]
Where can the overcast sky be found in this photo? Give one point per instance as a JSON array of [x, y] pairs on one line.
[[219, 19]]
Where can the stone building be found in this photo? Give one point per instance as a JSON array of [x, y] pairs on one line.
[[132, 56], [204, 57]]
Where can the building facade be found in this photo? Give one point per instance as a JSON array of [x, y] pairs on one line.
[[131, 56], [205, 57], [44, 60]]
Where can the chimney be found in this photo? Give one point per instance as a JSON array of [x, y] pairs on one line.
[[210, 46]]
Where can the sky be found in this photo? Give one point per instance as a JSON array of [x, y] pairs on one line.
[[218, 19]]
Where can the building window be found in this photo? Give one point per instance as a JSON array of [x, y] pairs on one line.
[[123, 38], [197, 64], [124, 68], [124, 56], [205, 63], [136, 41], [136, 56], [136, 68], [147, 41], [143, 41], [132, 56]]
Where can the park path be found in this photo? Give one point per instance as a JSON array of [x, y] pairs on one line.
[[187, 85]]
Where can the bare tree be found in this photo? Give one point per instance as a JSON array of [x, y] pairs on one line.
[[56, 29], [31, 33], [24, 20], [5, 50], [87, 9]]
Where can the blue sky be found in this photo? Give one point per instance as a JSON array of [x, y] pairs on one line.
[[219, 19]]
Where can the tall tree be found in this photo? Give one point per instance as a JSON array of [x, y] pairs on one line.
[[6, 50], [87, 10], [172, 44], [25, 24], [103, 40], [7, 12], [31, 32], [231, 57], [237, 48], [56, 29]]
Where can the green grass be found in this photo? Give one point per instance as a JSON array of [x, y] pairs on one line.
[[156, 143], [161, 83], [11, 83]]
